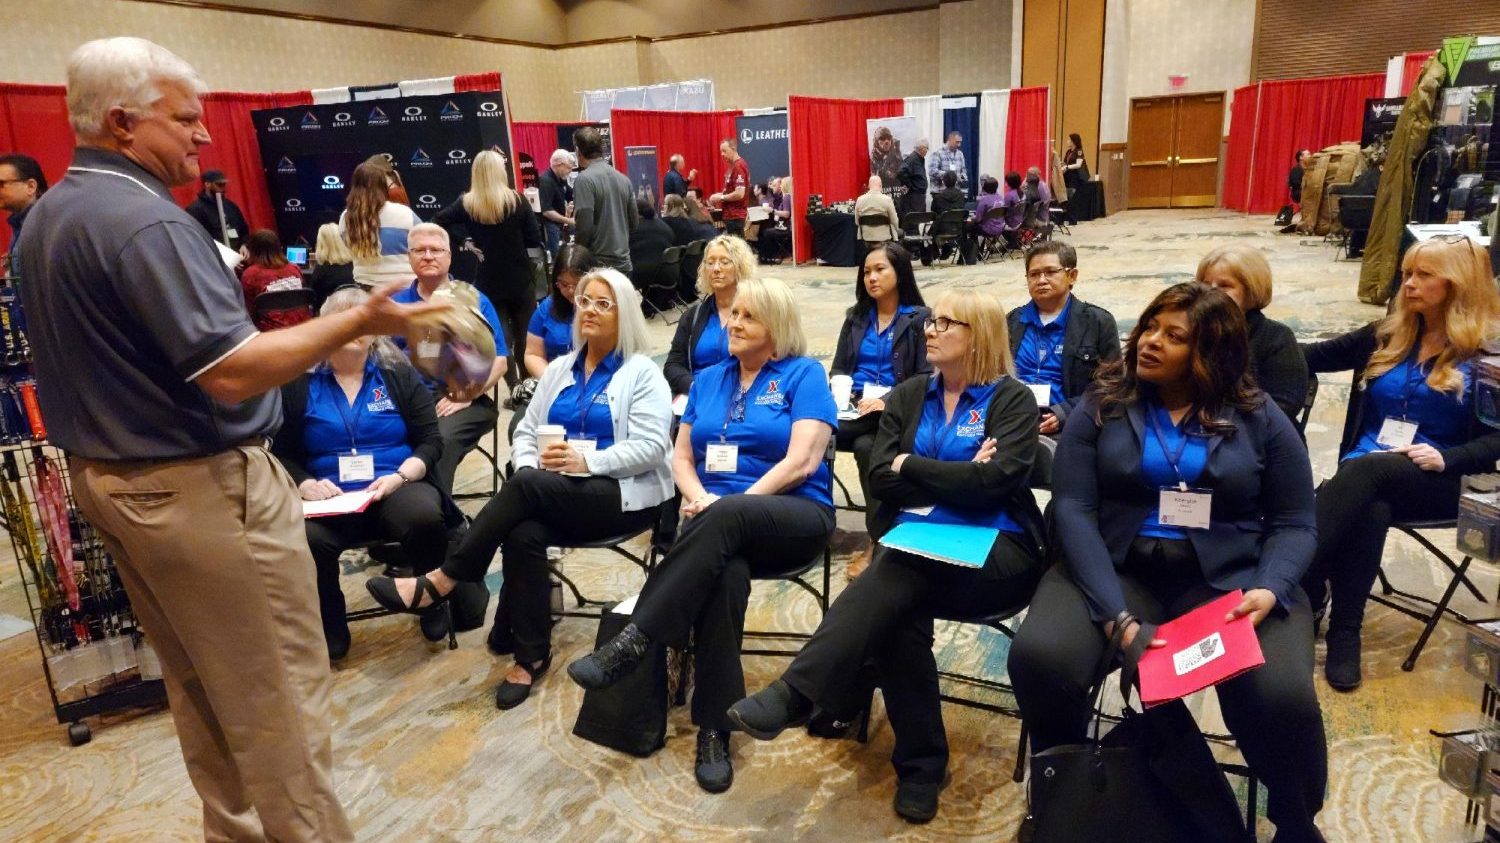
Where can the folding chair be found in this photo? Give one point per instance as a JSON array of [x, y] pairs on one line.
[[915, 234], [1355, 214], [1460, 576], [616, 545], [991, 245], [491, 455], [381, 612], [663, 280], [948, 232], [692, 256], [872, 221]]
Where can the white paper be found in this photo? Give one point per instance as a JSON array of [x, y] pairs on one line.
[[337, 505], [626, 606], [875, 390], [919, 511], [679, 405], [1042, 392]]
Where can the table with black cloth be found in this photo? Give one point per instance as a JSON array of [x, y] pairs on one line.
[[835, 238], [1087, 202]]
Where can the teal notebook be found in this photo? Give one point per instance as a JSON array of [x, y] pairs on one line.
[[956, 544]]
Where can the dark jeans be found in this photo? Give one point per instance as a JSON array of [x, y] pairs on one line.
[[774, 243], [703, 585], [552, 234], [735, 227], [1272, 710], [857, 436], [461, 432], [1355, 510], [887, 614], [411, 515]]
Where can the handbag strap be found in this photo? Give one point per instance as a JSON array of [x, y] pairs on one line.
[[1105, 666]]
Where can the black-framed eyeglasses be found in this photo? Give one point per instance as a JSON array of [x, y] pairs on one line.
[[1046, 272], [941, 324]]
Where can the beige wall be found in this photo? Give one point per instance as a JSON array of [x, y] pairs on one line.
[[537, 21], [589, 20], [976, 41]]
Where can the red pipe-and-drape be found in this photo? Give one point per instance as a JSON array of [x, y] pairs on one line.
[[537, 139], [1026, 131], [1295, 114], [465, 82], [695, 135], [1237, 154], [830, 154], [1411, 69]]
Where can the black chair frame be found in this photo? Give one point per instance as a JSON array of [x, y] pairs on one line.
[[1440, 607], [616, 545], [381, 612]]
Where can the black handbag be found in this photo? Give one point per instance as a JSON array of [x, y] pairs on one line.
[[1151, 778], [630, 715]]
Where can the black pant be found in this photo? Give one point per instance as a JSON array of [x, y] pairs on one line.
[[411, 515], [857, 436], [1272, 710], [532, 511], [1355, 510], [703, 585], [515, 309], [735, 227], [886, 614], [461, 432], [773, 243]]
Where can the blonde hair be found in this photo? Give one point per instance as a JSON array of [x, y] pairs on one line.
[[1471, 313], [1248, 266], [331, 246], [382, 349], [739, 254], [631, 337], [771, 303], [490, 198], [673, 206], [989, 338]]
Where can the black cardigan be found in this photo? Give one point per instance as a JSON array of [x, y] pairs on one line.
[[1091, 337], [1352, 351], [908, 343], [1000, 484], [505, 270], [1277, 362], [679, 365]]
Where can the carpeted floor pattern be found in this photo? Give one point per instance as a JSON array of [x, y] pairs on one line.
[[423, 755]]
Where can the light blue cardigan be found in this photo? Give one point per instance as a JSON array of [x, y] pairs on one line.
[[640, 403]]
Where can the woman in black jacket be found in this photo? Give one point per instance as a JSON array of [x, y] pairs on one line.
[[1410, 433], [335, 265], [1275, 360], [502, 227], [880, 346], [1180, 424], [954, 448], [702, 337], [363, 421]]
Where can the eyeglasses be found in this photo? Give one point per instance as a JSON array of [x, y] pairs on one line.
[[586, 304], [4, 182], [1046, 272], [941, 324], [427, 253]]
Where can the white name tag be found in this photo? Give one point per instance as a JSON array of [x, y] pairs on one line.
[[1042, 392], [584, 445], [356, 467], [428, 349], [1198, 655], [722, 458], [919, 511], [874, 391], [1190, 509], [1396, 433], [231, 233]]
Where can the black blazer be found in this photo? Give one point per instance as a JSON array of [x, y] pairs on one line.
[[1277, 362], [505, 271], [908, 343], [1090, 338], [1000, 484], [1263, 530], [1352, 351], [685, 231], [648, 240], [327, 277], [679, 365]]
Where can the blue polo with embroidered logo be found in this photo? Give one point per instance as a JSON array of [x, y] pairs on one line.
[[1039, 358], [370, 425], [582, 408], [956, 440]]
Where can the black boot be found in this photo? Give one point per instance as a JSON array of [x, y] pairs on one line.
[[610, 663], [765, 714], [713, 769], [917, 802], [1341, 666]]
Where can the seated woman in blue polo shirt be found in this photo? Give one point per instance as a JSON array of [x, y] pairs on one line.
[[955, 447], [364, 421], [880, 346], [549, 335], [1176, 482], [606, 475], [1411, 431], [749, 462], [702, 338]]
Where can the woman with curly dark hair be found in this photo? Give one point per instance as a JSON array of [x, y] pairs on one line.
[[1177, 481]]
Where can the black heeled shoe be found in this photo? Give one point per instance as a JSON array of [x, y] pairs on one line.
[[610, 663], [511, 694], [383, 589]]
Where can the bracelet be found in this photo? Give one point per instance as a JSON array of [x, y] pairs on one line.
[[404, 478]]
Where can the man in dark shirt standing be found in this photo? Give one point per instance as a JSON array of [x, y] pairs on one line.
[[21, 184], [166, 437], [230, 229], [674, 182], [913, 177], [555, 193], [734, 200]]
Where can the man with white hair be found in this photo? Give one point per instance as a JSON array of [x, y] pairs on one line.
[[556, 194], [913, 177], [674, 182], [162, 392]]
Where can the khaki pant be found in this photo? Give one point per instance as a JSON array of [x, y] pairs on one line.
[[213, 554]]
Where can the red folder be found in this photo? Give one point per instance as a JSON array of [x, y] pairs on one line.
[[1202, 650]]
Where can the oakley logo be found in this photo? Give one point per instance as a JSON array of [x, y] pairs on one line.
[[427, 199], [489, 108], [332, 183], [413, 110], [294, 204]]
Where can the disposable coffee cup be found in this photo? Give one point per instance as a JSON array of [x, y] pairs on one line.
[[843, 388], [548, 435]]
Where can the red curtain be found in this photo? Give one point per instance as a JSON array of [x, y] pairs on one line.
[[34, 121], [693, 134], [1026, 128], [830, 155], [476, 82], [536, 139], [1298, 114], [1238, 153], [1411, 69]]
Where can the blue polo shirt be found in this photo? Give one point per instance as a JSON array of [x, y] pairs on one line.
[[876, 360], [582, 407], [760, 423], [371, 425], [956, 440], [713, 344], [556, 334], [1039, 358], [411, 295], [1161, 442], [1442, 418]]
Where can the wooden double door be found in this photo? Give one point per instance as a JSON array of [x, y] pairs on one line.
[[1174, 150]]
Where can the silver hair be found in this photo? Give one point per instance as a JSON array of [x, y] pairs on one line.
[[121, 73], [429, 228], [632, 338], [348, 297], [922, 142], [561, 155]]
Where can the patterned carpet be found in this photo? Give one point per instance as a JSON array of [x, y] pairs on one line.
[[423, 755]]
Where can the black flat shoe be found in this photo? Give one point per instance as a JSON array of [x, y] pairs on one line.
[[610, 663], [511, 694], [917, 802], [383, 589], [713, 769], [435, 621], [765, 714], [1341, 663]]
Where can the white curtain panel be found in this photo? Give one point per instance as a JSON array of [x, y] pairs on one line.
[[994, 114], [427, 87], [330, 96], [928, 112]]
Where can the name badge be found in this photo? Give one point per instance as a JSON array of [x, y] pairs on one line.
[[1185, 508], [875, 390], [231, 232], [356, 467], [722, 458], [428, 349], [1396, 433], [584, 444], [1042, 392], [919, 511]]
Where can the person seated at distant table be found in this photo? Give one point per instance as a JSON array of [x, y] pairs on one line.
[[649, 241], [268, 271], [950, 197], [981, 224], [875, 202]]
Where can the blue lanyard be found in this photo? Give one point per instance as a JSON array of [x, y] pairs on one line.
[[1173, 459], [341, 401], [584, 400], [885, 345]]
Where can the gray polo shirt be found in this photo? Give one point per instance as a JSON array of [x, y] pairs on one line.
[[127, 302], [604, 213]]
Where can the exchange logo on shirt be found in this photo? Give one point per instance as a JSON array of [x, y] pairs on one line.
[[972, 426], [379, 401], [772, 395]]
